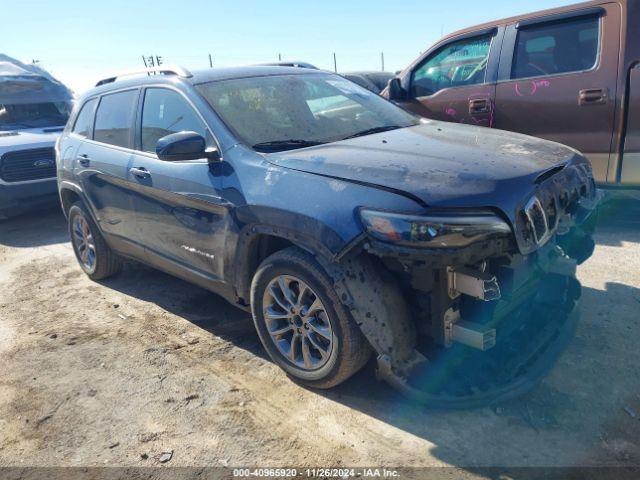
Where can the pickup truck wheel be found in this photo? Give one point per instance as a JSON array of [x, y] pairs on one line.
[[302, 323], [94, 255]]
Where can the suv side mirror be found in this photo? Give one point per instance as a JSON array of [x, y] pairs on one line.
[[184, 146], [396, 92]]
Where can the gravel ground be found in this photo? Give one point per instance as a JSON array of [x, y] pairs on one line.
[[122, 371]]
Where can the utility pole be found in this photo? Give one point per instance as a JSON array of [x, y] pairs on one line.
[[210, 61], [335, 63], [382, 60], [279, 57], [151, 61], [148, 63]]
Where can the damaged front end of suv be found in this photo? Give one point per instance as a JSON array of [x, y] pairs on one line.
[[452, 247], [465, 305]]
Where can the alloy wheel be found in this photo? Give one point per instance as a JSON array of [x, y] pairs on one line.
[[84, 243], [297, 322]]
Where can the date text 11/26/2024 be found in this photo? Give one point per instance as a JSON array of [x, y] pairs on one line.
[[316, 472]]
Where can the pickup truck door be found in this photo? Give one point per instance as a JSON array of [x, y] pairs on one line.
[[455, 80], [630, 174], [182, 217], [557, 80]]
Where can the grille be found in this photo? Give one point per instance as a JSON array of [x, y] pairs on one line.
[[24, 165], [552, 213]]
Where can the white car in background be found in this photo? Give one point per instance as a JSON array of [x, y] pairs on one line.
[[34, 108]]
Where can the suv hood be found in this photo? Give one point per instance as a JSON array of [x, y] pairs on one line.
[[440, 164]]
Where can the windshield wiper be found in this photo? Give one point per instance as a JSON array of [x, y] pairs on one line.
[[290, 144], [371, 131]]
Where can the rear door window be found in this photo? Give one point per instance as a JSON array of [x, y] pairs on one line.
[[556, 48], [457, 64], [114, 118], [165, 112], [84, 121]]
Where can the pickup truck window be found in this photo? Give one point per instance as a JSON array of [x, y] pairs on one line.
[[555, 48], [457, 64], [84, 122]]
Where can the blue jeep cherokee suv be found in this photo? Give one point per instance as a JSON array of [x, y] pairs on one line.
[[343, 223]]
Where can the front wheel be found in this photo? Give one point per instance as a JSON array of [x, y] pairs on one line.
[[302, 323]]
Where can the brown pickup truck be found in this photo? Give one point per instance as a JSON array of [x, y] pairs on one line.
[[570, 75]]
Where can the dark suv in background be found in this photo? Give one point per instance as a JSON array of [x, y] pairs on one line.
[[343, 223], [374, 81]]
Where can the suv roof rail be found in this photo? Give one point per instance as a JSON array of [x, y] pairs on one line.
[[164, 69]]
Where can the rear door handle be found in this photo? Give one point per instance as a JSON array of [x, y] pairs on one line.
[[478, 105], [140, 172], [84, 160], [593, 96]]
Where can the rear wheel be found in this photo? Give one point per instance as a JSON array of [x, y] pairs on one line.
[[94, 255], [302, 323]]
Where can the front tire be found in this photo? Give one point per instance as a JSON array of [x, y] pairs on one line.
[[95, 257], [302, 323]]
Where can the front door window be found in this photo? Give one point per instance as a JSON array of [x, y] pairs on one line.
[[165, 112], [457, 64]]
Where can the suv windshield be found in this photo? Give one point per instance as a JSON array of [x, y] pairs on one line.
[[285, 112], [33, 115]]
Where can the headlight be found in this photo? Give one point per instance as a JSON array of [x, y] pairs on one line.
[[441, 230]]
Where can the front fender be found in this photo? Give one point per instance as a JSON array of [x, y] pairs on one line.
[[300, 230]]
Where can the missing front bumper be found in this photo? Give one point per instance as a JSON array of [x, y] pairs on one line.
[[481, 331], [461, 377], [490, 350]]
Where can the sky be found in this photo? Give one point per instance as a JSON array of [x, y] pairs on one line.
[[80, 42]]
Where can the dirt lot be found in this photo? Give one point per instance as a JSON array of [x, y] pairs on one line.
[[119, 372]]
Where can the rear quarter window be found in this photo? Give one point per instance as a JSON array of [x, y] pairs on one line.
[[84, 121]]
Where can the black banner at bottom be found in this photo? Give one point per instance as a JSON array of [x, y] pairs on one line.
[[214, 473]]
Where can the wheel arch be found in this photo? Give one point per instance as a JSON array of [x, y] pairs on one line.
[[257, 242], [70, 193]]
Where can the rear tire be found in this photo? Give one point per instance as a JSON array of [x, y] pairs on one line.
[[95, 257], [329, 346]]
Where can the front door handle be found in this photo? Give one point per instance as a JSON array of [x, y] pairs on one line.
[[84, 160], [140, 172], [593, 96], [478, 105]]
